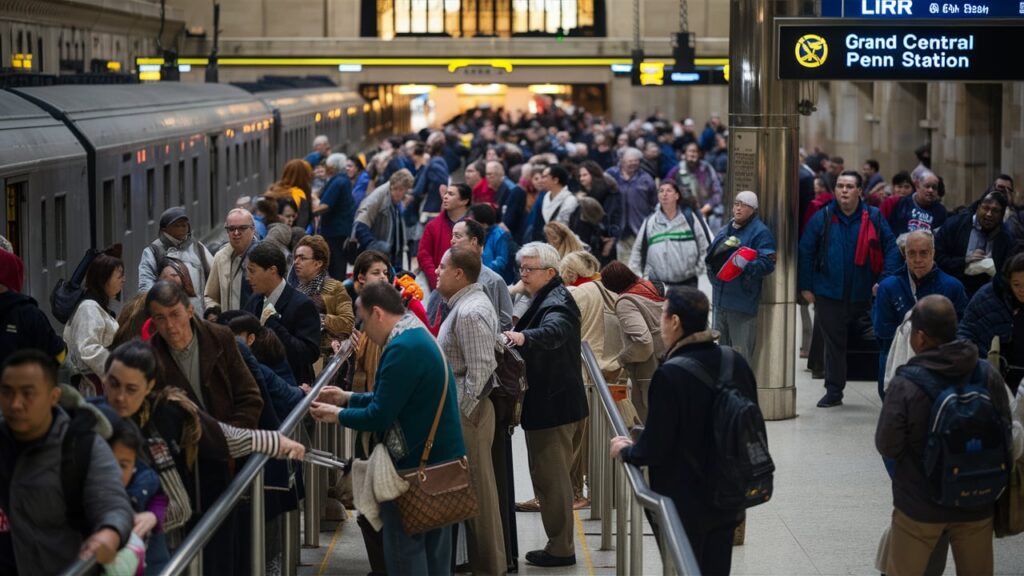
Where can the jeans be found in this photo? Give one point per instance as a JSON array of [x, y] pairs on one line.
[[424, 554]]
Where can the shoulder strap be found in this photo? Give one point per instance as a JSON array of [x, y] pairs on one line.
[[201, 253], [440, 408], [644, 244], [923, 379], [725, 369], [159, 253], [695, 368]]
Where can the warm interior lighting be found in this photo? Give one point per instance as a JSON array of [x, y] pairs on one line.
[[549, 88], [415, 89], [480, 89]]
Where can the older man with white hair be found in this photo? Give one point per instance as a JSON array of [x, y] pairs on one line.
[[337, 210], [548, 336], [226, 287], [639, 196], [739, 258]]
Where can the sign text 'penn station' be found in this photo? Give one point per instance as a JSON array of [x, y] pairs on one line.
[[909, 50]]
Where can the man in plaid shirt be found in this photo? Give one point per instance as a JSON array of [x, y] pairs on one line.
[[468, 336]]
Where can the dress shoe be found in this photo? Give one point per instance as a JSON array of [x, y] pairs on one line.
[[830, 401], [545, 560]]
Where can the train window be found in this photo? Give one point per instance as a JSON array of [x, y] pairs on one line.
[[126, 201], [181, 182], [108, 212], [259, 158], [15, 202], [60, 224], [195, 179], [150, 193], [43, 232], [167, 186], [238, 163], [214, 189], [247, 163], [227, 166]]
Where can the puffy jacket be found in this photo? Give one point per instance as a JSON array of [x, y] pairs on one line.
[[896, 297], [496, 254], [744, 293], [951, 249], [989, 314], [554, 368], [31, 496], [675, 251], [436, 240], [903, 430], [840, 279], [195, 256]]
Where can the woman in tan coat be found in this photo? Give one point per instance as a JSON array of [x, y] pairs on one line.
[[638, 309], [309, 276]]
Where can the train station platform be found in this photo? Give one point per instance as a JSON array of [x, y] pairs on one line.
[[832, 501]]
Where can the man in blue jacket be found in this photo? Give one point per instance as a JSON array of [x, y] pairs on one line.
[[845, 250], [735, 301], [898, 293]]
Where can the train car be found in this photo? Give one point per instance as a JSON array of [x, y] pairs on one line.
[[154, 146], [43, 171]]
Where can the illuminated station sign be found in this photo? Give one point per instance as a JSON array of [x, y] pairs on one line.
[[823, 50], [922, 9]]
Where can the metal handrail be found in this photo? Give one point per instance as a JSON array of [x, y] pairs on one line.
[[215, 516], [672, 534], [80, 567]]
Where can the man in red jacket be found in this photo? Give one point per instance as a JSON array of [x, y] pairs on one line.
[[437, 238]]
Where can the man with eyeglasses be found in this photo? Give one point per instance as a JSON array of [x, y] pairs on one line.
[[227, 287], [922, 210], [548, 337]]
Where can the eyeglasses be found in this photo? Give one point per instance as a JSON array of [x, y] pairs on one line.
[[302, 258], [524, 270], [236, 229]]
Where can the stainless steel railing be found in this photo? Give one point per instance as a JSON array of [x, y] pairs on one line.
[[250, 478], [624, 487]]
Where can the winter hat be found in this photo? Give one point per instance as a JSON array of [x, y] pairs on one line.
[[12, 271], [172, 215], [747, 197]]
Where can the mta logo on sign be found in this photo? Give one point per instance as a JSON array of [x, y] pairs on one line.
[[811, 51], [886, 7]]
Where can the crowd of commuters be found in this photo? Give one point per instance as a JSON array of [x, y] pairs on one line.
[[431, 254]]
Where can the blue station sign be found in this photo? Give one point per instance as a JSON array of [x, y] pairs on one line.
[[922, 9], [827, 50]]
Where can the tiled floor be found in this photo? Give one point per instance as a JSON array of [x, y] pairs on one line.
[[832, 501]]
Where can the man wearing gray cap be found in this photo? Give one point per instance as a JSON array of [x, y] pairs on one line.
[[741, 255], [175, 241]]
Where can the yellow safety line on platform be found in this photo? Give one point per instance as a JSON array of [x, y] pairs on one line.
[[330, 549], [583, 543]]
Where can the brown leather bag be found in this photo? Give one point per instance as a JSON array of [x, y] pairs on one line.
[[440, 494]]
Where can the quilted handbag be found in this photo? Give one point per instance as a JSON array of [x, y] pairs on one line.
[[439, 494]]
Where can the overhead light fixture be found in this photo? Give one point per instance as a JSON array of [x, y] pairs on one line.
[[149, 68], [622, 68], [350, 67], [480, 89], [685, 76], [415, 89], [184, 67]]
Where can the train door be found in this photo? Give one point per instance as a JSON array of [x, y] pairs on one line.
[[211, 207], [16, 229]]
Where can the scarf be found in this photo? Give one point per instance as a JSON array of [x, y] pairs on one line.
[[311, 289], [869, 246], [581, 280], [645, 289], [551, 206]]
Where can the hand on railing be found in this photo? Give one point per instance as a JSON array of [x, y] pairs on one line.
[[324, 412], [333, 395], [290, 449], [617, 444], [102, 544]]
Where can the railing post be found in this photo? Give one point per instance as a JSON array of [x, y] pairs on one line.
[[636, 544], [195, 567], [323, 434], [259, 527], [595, 446], [290, 556], [607, 483], [311, 504], [622, 500]]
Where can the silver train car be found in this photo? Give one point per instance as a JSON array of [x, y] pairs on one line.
[[88, 166]]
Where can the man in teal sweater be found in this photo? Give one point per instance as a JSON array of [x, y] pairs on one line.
[[404, 399]]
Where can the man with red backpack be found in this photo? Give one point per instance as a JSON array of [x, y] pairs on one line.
[[845, 250]]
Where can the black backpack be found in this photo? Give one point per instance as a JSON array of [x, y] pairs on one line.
[[743, 472], [510, 384], [967, 458], [67, 294]]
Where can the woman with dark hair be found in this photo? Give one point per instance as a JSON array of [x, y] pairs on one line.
[[638, 310], [181, 437], [997, 311], [672, 243], [296, 183], [674, 444], [90, 330], [309, 276], [279, 232], [356, 171], [604, 189]]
